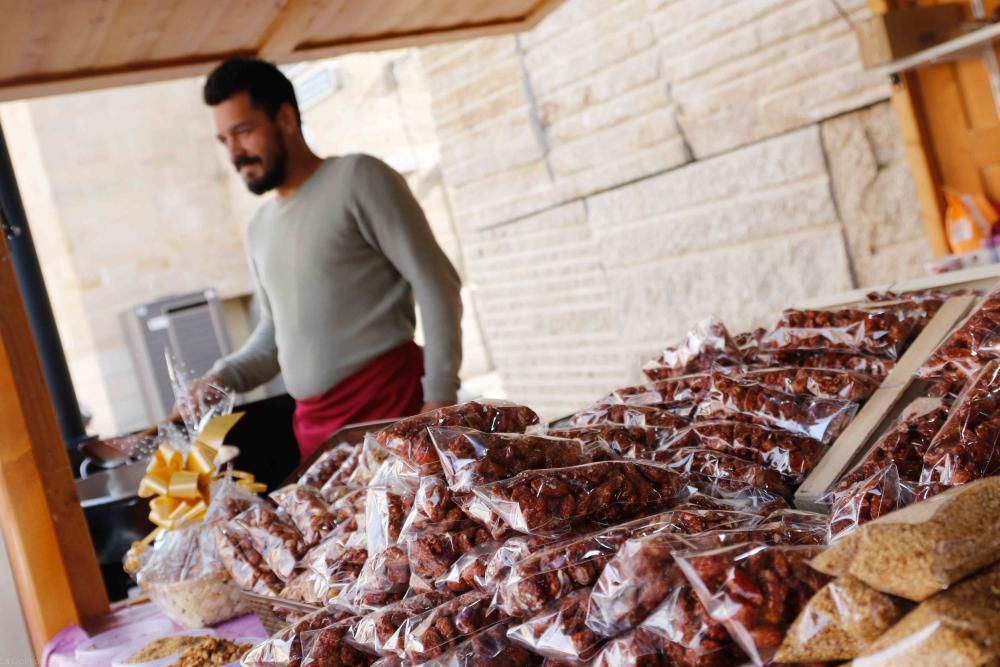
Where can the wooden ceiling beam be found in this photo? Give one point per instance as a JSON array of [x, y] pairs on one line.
[[295, 34]]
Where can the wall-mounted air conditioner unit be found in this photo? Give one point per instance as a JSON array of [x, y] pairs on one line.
[[191, 326]]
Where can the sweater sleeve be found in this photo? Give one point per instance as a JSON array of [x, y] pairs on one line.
[[391, 218], [257, 361]]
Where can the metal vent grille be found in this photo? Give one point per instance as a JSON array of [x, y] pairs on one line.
[[190, 327]]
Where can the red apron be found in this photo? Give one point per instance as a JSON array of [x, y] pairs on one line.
[[386, 387]]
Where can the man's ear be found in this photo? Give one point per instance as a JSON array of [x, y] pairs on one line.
[[287, 120]]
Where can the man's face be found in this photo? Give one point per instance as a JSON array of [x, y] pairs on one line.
[[254, 143]]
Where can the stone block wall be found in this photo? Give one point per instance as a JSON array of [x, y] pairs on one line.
[[630, 166]]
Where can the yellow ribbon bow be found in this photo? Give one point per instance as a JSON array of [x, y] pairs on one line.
[[179, 485]]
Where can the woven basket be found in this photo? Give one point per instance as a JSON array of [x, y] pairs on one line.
[[199, 603], [274, 612]]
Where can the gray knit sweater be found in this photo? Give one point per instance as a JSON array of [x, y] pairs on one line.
[[337, 266]]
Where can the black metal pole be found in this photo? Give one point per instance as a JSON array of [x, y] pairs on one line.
[[36, 303]]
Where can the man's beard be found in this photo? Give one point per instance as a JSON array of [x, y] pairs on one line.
[[274, 174]]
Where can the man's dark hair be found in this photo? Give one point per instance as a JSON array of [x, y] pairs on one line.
[[267, 86]]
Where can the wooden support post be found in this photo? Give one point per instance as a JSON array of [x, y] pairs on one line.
[[907, 100], [51, 554]]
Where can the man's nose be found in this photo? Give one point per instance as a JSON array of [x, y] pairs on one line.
[[235, 151]]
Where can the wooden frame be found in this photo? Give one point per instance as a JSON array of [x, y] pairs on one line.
[[948, 116], [280, 41], [51, 554]]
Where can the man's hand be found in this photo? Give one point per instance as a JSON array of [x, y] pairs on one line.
[[205, 390], [434, 405]]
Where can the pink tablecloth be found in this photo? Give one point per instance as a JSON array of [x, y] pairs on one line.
[[61, 650]]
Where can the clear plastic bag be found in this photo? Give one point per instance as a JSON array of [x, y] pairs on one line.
[[903, 444], [329, 567], [471, 458], [330, 647], [449, 624], [434, 503], [793, 456], [626, 441], [817, 418], [385, 514], [490, 647], [843, 618], [707, 345], [684, 634], [308, 510], [721, 466], [629, 415], [559, 631], [340, 477], [384, 578], [436, 550], [245, 564], [755, 590], [675, 391], [285, 649], [277, 540], [328, 463], [868, 499], [924, 548], [959, 628], [974, 343], [711, 494], [876, 367], [507, 555], [651, 649], [550, 573], [371, 456], [550, 501], [881, 334], [683, 629], [382, 632], [467, 573], [817, 382], [642, 576], [179, 555], [968, 445], [409, 440]]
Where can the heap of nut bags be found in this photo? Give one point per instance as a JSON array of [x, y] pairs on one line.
[[652, 528]]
